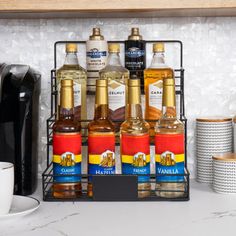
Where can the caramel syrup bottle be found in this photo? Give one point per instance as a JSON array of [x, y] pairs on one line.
[[66, 147], [101, 137], [153, 77], [134, 135], [169, 146]]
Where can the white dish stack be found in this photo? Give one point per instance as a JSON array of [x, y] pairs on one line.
[[214, 135]]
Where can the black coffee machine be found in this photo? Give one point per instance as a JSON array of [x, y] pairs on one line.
[[19, 115]]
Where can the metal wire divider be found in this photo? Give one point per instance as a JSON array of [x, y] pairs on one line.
[[120, 179]]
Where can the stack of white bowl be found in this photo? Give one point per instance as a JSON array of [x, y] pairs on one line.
[[214, 135]]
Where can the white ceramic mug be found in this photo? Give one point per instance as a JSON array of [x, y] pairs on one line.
[[6, 186]]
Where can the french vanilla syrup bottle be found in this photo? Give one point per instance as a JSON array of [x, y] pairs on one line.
[[134, 140], [117, 77], [101, 137], [96, 57], [66, 147], [135, 55], [169, 146]]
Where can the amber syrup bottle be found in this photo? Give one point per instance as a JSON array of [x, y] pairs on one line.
[[101, 137], [135, 147], [66, 147]]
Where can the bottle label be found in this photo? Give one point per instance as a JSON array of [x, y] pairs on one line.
[[77, 94], [67, 157], [135, 156], [96, 52], [101, 154], [155, 94], [134, 52], [169, 157], [116, 96]]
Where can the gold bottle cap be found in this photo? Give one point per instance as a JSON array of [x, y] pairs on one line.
[[71, 47], [101, 83], [67, 83], [158, 47], [214, 119], [114, 47], [168, 97], [225, 157], [96, 34], [135, 34], [134, 82]]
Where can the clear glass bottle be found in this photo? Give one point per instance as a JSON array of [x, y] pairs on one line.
[[101, 137], [117, 77], [66, 147], [153, 77], [134, 136], [72, 70], [169, 146]]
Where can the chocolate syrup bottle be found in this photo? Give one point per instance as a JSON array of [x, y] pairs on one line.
[[135, 55]]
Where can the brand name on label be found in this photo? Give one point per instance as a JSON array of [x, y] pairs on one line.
[[134, 52], [95, 53]]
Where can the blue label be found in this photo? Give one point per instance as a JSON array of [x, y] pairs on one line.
[[67, 170], [96, 54], [95, 169], [178, 168], [129, 169], [134, 52]]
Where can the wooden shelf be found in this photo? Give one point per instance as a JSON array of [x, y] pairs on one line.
[[115, 8]]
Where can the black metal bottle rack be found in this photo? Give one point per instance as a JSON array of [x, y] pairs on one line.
[[116, 187]]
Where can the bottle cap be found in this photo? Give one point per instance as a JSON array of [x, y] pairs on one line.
[[96, 34], [135, 34], [71, 47], [67, 83], [101, 83], [168, 82], [134, 82], [114, 47], [158, 47]]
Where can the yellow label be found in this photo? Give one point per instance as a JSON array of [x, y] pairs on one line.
[[177, 157], [94, 159], [130, 159], [59, 159]]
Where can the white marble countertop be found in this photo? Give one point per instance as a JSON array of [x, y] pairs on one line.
[[206, 213]]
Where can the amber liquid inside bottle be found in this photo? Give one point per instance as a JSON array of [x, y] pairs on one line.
[[135, 150], [66, 126], [101, 136], [169, 138], [153, 83]]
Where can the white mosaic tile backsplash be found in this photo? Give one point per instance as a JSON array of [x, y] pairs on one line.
[[209, 58]]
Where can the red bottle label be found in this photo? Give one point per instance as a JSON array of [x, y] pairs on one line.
[[169, 150], [101, 154], [135, 156], [67, 157]]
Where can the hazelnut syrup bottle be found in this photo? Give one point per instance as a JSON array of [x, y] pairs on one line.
[[101, 137]]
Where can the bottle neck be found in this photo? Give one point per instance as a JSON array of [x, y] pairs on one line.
[[114, 59], [134, 108], [158, 60], [66, 109], [101, 103], [71, 59], [169, 102]]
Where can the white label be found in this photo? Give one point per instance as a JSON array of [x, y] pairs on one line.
[[116, 94], [77, 94], [155, 94], [96, 54]]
